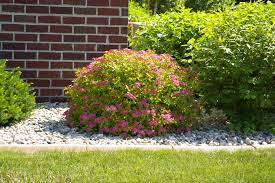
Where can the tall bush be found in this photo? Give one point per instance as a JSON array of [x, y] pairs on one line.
[[129, 92], [209, 5], [170, 33], [16, 97], [236, 62]]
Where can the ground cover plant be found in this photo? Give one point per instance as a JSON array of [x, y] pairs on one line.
[[138, 166], [16, 97], [128, 92]]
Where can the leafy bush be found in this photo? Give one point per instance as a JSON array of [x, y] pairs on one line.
[[236, 62], [208, 5], [137, 13], [129, 92], [170, 33], [16, 98]]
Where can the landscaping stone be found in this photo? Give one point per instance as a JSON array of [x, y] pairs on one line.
[[47, 126]]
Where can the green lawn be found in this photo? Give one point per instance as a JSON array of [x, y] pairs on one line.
[[139, 166]]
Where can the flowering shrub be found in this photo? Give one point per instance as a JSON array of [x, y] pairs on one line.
[[130, 92], [16, 97]]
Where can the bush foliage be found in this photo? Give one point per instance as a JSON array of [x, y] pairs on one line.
[[16, 98], [129, 92], [236, 62], [209, 5], [137, 13]]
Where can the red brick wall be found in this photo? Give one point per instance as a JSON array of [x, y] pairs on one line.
[[49, 39]]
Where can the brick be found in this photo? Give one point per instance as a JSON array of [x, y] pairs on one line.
[[13, 8], [97, 39], [39, 83], [120, 3], [90, 56], [118, 39], [6, 37], [84, 29], [73, 56], [80, 64], [13, 46], [49, 55], [13, 27], [37, 9], [61, 83], [37, 46], [49, 19], [25, 37], [74, 38], [42, 99], [50, 37], [108, 30], [12, 64], [84, 47], [124, 12], [58, 99], [49, 74], [24, 55], [119, 21], [62, 47], [124, 30], [61, 29], [6, 1], [24, 18], [36, 28], [61, 65], [51, 92], [5, 18], [122, 46], [102, 47], [108, 11], [37, 64], [73, 20], [5, 55], [50, 2], [68, 74], [74, 2], [85, 11], [97, 21], [26, 1], [29, 74], [61, 10], [98, 2]]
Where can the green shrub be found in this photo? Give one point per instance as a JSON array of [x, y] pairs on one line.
[[236, 63], [137, 13], [170, 33], [209, 5], [16, 98], [129, 92]]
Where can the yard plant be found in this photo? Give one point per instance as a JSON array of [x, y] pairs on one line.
[[16, 97]]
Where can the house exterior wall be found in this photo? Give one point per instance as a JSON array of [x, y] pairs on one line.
[[50, 39]]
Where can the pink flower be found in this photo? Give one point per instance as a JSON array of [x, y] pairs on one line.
[[175, 80], [111, 108], [153, 123], [158, 81], [144, 91], [186, 92], [154, 92], [130, 96], [183, 84], [150, 133], [103, 83], [144, 103], [158, 70], [136, 114], [138, 84], [162, 130], [168, 117], [85, 117], [92, 124]]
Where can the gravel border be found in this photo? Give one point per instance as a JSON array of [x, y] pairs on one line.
[[46, 128]]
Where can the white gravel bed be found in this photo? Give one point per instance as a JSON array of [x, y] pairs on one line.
[[47, 126]]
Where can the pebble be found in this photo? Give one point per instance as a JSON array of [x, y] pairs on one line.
[[47, 126]]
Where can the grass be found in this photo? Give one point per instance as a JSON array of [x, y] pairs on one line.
[[138, 166]]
